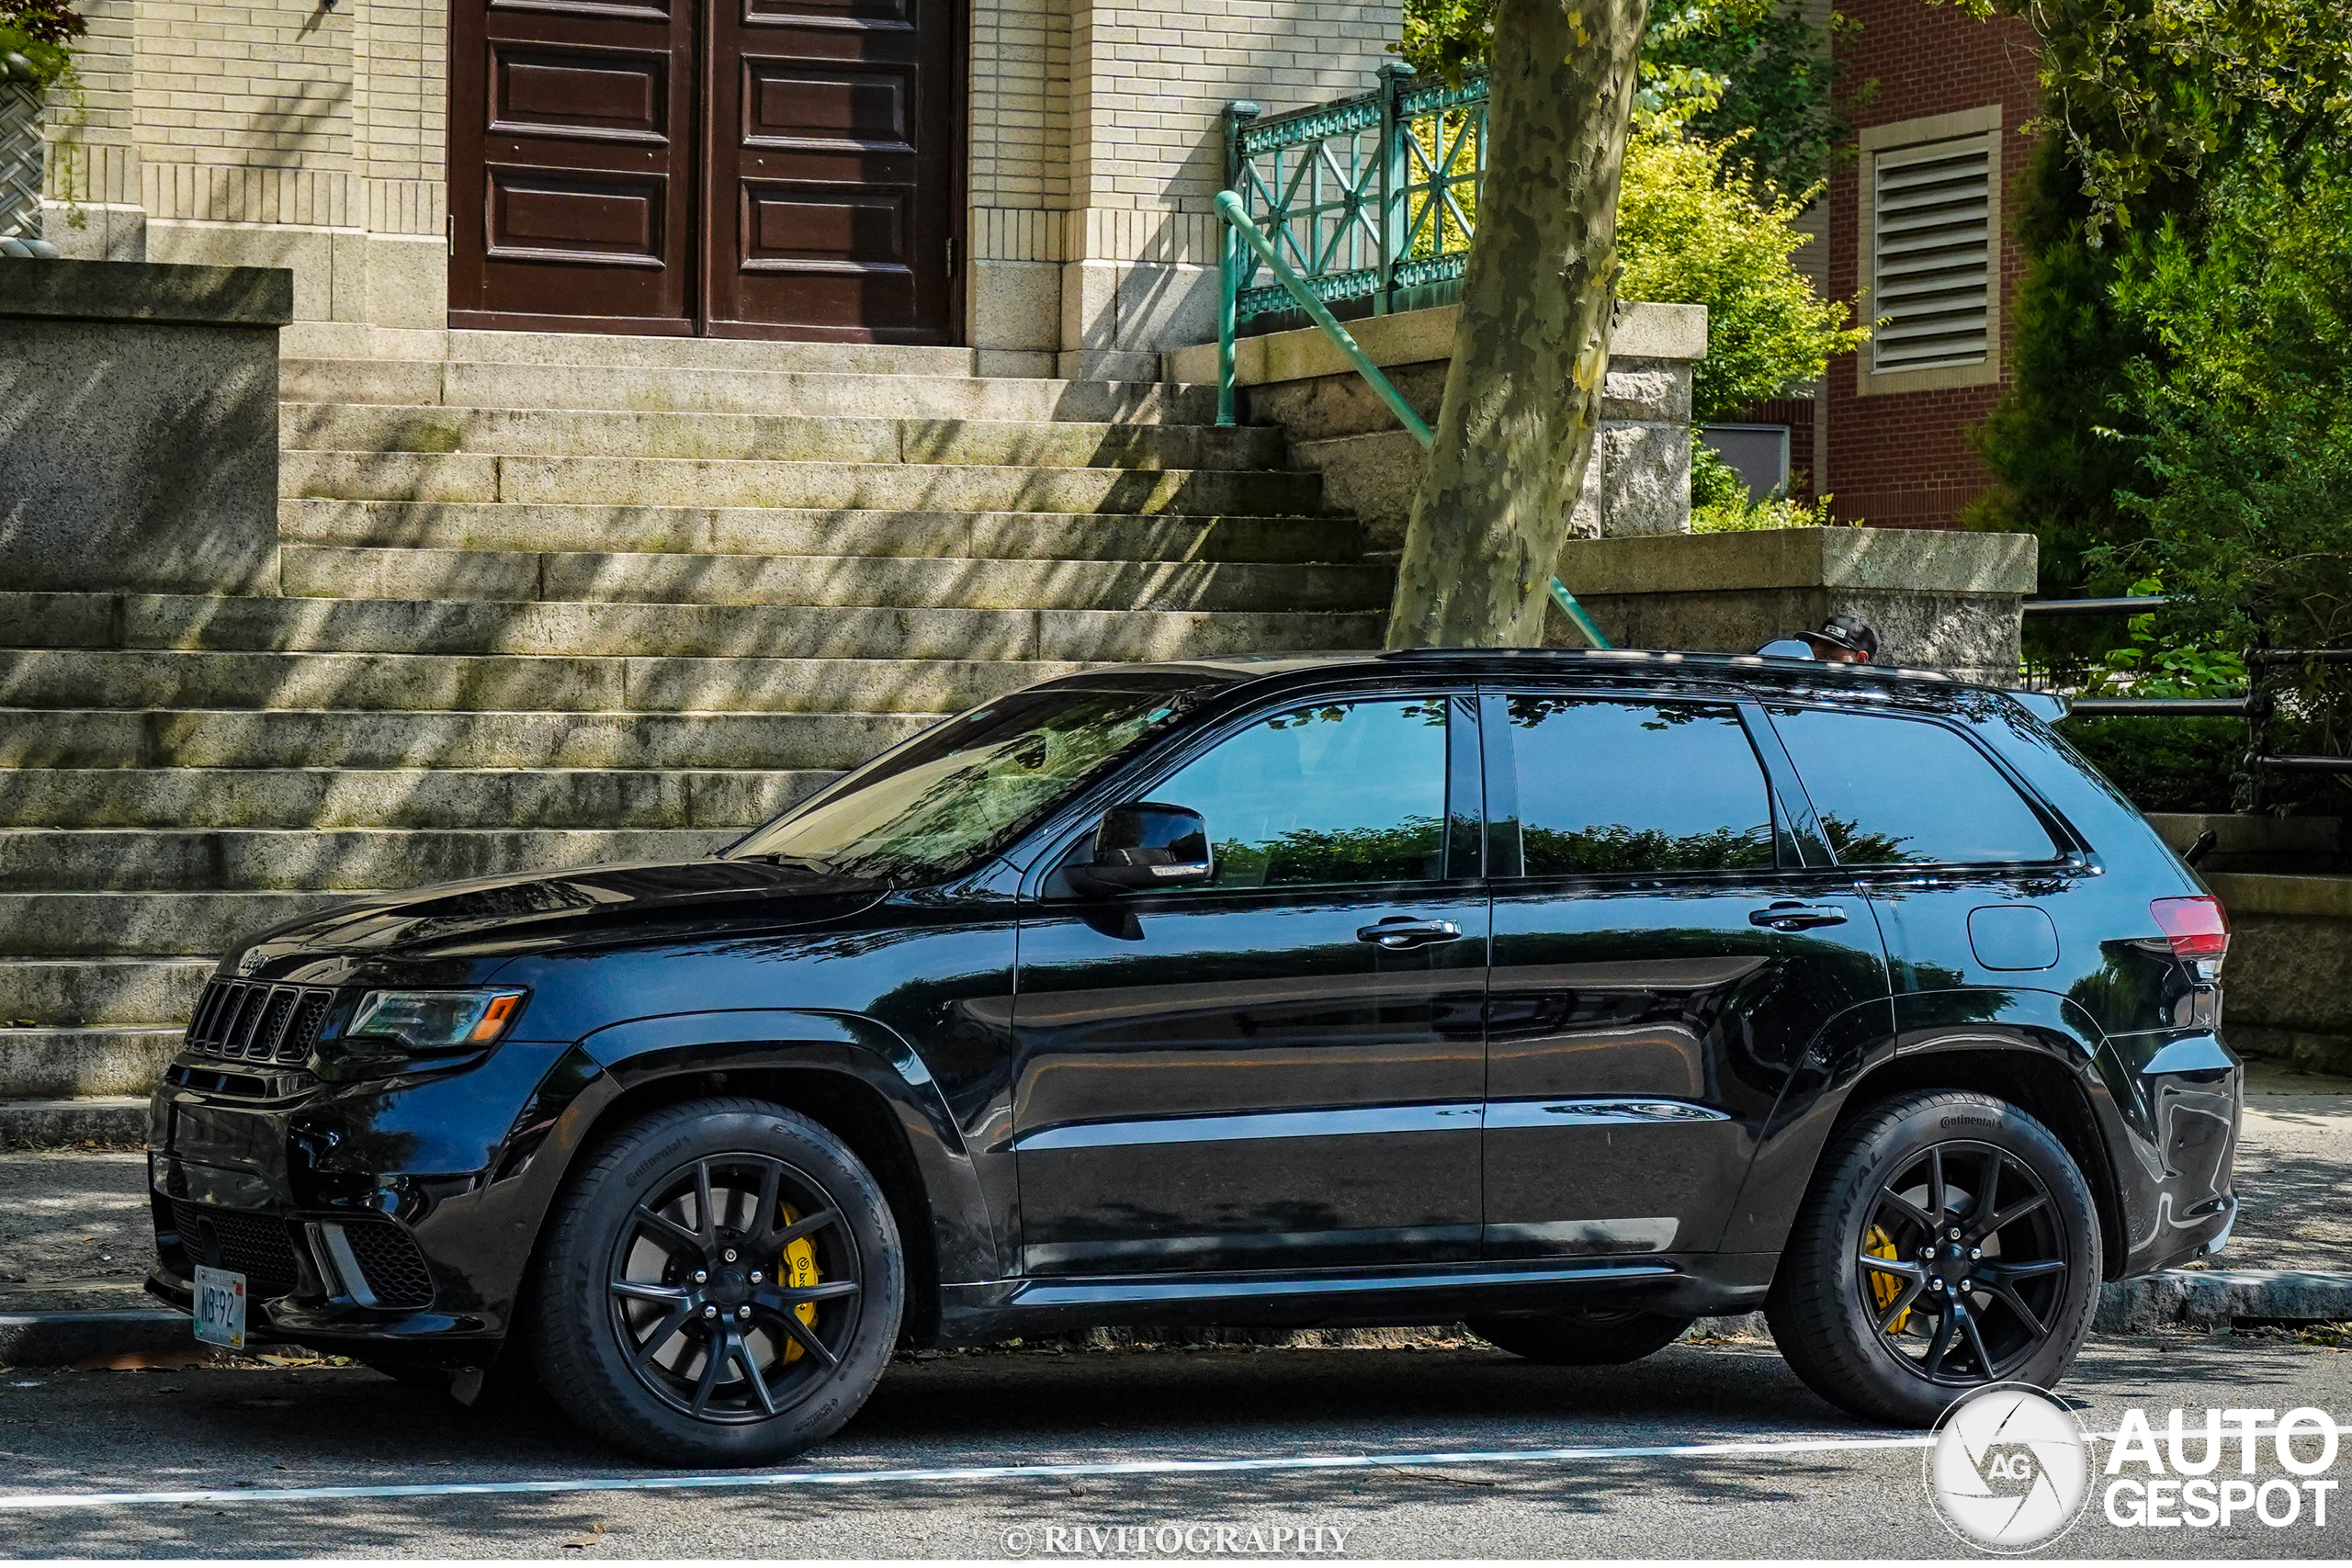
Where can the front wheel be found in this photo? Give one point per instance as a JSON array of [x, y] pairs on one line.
[[1582, 1338], [721, 1286], [1949, 1241]]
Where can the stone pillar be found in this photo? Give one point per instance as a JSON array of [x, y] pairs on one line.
[[1638, 482], [139, 416]]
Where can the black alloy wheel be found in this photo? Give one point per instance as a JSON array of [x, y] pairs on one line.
[[1947, 1241], [1965, 1264], [722, 1285], [735, 1287]]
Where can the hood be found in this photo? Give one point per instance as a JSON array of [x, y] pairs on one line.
[[534, 911]]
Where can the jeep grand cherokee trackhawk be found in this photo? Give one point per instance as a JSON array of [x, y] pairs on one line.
[[1575, 995]]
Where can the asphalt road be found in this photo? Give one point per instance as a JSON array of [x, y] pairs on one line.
[[251, 1431]]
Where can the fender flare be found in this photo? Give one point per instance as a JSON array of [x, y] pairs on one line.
[[630, 1056]]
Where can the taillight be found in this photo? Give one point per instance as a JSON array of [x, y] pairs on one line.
[[2197, 928]]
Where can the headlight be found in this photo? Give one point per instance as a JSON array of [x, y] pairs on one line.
[[437, 1021]]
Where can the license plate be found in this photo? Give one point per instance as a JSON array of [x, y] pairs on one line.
[[220, 1307]]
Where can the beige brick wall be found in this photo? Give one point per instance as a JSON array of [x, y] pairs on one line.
[[282, 130]]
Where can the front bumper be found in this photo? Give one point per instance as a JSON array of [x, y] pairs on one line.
[[392, 1219]]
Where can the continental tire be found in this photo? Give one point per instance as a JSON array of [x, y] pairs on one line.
[[1582, 1338], [722, 1285], [1947, 1241]]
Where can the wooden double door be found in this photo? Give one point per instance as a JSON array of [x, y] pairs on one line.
[[734, 168]]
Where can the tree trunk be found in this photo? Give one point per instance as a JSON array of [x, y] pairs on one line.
[[1524, 393]]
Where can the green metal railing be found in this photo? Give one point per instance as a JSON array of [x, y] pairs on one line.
[[1372, 200]]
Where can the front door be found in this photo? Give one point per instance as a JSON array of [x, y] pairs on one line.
[[1281, 1069], [744, 168], [1662, 960]]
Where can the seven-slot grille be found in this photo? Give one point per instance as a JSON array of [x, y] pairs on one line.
[[255, 1022]]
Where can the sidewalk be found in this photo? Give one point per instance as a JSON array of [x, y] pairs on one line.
[[76, 1238]]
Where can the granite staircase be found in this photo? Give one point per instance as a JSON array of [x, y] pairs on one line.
[[548, 600]]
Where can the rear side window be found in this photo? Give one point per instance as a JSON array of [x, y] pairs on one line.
[[1631, 786], [1893, 791], [1338, 791]]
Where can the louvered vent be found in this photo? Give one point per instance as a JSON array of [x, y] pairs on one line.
[[1931, 255]]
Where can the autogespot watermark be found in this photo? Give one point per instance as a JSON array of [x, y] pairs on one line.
[[2011, 1470], [1192, 1540]]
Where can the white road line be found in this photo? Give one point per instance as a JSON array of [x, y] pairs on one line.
[[28, 1500]]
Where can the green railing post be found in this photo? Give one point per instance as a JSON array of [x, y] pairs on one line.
[[1394, 75], [1237, 113]]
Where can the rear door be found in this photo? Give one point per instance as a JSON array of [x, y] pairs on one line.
[[1663, 957]]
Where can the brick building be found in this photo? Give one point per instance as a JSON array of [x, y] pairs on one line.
[[1920, 221], [1030, 178]]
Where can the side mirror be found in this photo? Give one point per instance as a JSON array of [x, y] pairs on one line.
[[1141, 845]]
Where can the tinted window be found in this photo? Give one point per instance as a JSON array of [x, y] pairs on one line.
[[1624, 786], [1338, 791], [1897, 790], [957, 793]]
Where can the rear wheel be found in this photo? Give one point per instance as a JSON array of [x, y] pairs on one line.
[[1949, 1241], [1583, 1339], [721, 1286]]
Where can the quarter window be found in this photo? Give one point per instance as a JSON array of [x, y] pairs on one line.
[[1893, 791], [1627, 786], [1338, 792]]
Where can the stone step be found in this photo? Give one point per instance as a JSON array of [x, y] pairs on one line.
[[61, 1063], [821, 394], [359, 626], [397, 797], [146, 991], [94, 926], [718, 482], [636, 432], [332, 571], [338, 737], [54, 1124], [112, 678], [601, 348], [77, 860], [779, 531]]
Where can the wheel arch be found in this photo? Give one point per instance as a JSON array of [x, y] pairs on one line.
[[2036, 1081], [2036, 1049], [849, 1075]]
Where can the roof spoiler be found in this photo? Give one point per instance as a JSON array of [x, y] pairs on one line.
[[2047, 707]]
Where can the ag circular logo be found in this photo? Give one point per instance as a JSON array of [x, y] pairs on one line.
[[2009, 1468]]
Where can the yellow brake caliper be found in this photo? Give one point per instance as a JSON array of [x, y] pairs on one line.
[[1885, 1287], [799, 1271]]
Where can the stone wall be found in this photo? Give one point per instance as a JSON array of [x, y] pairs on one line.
[[1639, 482], [1946, 601], [2284, 990], [139, 420]]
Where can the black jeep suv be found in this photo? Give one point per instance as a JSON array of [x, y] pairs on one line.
[[1573, 993]]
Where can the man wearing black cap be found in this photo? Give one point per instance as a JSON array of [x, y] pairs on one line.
[[1844, 639]]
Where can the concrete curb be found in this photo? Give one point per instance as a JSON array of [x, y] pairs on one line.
[[62, 1338], [2179, 1297], [2215, 1298], [54, 1124]]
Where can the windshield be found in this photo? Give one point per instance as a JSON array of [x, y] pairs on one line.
[[957, 794]]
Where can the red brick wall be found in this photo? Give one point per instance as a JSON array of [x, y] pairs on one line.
[[1902, 458]]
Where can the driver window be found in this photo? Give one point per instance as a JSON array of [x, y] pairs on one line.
[[1338, 791]]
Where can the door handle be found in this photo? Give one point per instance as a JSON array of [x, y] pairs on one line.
[[1398, 933], [1794, 917]]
